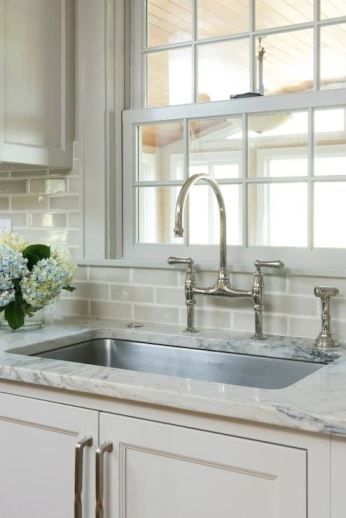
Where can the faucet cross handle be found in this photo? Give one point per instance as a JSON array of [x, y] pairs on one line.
[[325, 338]]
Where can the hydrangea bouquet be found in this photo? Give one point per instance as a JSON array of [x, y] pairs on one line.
[[31, 276]]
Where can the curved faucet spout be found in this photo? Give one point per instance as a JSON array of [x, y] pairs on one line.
[[179, 230]]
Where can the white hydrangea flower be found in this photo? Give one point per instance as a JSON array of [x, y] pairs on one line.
[[44, 283], [13, 241], [64, 260]]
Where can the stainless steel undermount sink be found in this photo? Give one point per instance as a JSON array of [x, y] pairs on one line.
[[231, 368]]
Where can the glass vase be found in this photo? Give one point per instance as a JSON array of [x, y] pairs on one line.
[[37, 321]]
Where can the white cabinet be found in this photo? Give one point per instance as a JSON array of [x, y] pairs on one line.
[[37, 82], [158, 470], [37, 458]]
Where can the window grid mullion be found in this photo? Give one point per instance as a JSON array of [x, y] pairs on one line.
[[244, 175], [311, 140], [186, 175]]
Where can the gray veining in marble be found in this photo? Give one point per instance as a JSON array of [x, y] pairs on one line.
[[317, 403]]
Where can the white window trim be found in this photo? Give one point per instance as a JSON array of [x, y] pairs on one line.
[[100, 103]]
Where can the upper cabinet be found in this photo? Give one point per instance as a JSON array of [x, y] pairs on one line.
[[37, 82]]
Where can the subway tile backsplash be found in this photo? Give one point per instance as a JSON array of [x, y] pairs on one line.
[[44, 206]]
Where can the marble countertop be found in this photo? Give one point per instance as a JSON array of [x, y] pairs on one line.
[[317, 403]]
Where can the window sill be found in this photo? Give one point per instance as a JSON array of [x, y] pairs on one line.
[[162, 265]]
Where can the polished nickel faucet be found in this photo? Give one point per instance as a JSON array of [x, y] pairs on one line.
[[223, 286]]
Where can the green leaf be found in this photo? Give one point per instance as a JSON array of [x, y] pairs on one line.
[[34, 254], [69, 288], [14, 315]]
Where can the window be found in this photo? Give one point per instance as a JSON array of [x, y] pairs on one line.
[[279, 158]]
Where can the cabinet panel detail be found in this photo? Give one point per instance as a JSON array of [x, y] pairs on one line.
[[166, 470]]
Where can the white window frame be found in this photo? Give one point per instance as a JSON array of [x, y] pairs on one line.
[[240, 256], [114, 244]]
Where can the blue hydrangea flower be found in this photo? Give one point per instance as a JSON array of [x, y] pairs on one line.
[[44, 283], [12, 266]]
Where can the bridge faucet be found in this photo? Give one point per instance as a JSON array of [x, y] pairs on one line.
[[223, 286]]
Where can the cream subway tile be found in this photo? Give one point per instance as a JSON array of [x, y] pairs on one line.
[[33, 235], [291, 305], [81, 273], [29, 173], [64, 237], [272, 324], [59, 172], [48, 186], [68, 202], [90, 290], [132, 293], [339, 330], [209, 318], [73, 219], [73, 307], [304, 327], [12, 186], [227, 303], [48, 219], [275, 283], [75, 252], [204, 279], [305, 285], [109, 274], [29, 202], [337, 308], [242, 280], [111, 310], [58, 237], [170, 296], [73, 185], [155, 277], [4, 203], [18, 219], [164, 314]]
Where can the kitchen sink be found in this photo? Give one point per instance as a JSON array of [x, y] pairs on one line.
[[220, 367]]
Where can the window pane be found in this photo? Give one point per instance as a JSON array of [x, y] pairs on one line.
[[333, 9], [222, 18], [329, 215], [333, 60], [216, 147], [330, 142], [288, 62], [223, 70], [155, 214], [278, 144], [169, 77], [169, 21], [275, 14], [204, 215], [278, 214], [160, 152]]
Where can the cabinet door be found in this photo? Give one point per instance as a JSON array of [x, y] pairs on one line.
[[37, 82], [158, 470], [37, 448]]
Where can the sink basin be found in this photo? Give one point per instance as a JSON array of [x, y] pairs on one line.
[[235, 369]]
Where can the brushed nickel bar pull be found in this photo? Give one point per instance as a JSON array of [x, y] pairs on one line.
[[78, 475], [106, 447]]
